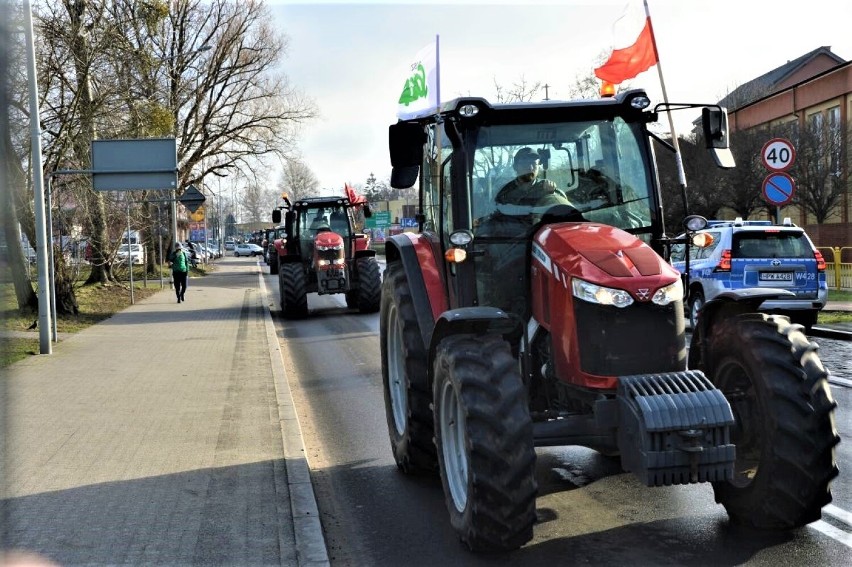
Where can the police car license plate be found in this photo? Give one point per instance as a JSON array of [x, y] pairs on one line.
[[776, 276]]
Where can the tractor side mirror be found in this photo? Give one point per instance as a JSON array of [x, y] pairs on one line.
[[405, 142], [367, 211], [276, 216], [714, 121]]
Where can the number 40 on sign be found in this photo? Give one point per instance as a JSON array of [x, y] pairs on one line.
[[778, 154]]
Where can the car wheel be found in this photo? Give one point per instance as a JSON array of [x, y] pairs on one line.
[[696, 302]]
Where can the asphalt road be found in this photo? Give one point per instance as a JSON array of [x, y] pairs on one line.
[[588, 509]]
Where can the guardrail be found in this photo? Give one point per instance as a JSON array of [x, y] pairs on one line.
[[838, 274]]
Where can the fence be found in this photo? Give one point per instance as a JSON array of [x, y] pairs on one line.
[[838, 274]]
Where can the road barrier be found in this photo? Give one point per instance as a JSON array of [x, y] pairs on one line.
[[838, 274]]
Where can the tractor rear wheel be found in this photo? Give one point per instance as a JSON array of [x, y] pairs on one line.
[[484, 435], [784, 428], [407, 396], [293, 291], [369, 285]]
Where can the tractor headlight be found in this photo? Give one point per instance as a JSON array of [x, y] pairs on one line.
[[669, 293], [598, 294], [326, 248]]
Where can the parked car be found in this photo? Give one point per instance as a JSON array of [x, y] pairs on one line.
[[247, 249], [229, 245], [137, 253], [757, 254]]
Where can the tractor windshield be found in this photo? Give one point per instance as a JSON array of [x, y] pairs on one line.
[[522, 171], [598, 167]]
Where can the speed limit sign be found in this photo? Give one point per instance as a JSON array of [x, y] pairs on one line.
[[778, 154]]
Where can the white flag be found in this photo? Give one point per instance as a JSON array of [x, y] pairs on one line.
[[421, 89]]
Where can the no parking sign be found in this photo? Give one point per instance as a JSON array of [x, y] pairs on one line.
[[778, 188]]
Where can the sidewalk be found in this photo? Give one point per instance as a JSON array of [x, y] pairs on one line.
[[841, 331], [163, 435]]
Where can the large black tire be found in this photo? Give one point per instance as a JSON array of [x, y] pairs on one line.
[[352, 299], [293, 291], [484, 436], [696, 302], [273, 263], [369, 285], [806, 318], [784, 412], [407, 395]]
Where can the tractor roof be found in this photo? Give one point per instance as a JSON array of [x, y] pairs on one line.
[[477, 108], [314, 202]]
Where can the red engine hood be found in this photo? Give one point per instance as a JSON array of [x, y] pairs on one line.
[[327, 238], [603, 255]]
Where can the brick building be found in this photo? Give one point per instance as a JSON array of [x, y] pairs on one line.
[[813, 91]]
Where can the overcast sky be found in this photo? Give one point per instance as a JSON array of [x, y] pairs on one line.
[[351, 57]]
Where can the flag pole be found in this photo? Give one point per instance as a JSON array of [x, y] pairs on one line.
[[438, 72], [681, 174]]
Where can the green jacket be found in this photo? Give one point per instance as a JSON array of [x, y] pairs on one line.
[[180, 261]]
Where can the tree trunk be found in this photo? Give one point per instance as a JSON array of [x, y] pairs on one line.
[[24, 291]]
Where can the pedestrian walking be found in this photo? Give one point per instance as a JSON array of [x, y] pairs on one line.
[[179, 261]]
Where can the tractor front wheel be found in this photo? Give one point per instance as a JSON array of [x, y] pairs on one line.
[[784, 428], [293, 291], [484, 436], [407, 396], [369, 285]]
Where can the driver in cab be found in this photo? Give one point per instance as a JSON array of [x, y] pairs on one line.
[[527, 192]]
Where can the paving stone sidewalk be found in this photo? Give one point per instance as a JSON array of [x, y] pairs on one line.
[[164, 435]]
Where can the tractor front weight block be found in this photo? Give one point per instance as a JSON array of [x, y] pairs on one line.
[[674, 428]]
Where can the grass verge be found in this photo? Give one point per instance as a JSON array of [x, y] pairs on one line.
[[96, 303]]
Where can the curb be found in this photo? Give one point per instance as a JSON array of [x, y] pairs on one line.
[[826, 333], [310, 542]]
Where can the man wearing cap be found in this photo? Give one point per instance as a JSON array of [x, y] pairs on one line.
[[527, 190]]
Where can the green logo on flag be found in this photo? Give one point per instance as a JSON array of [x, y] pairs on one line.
[[415, 86]]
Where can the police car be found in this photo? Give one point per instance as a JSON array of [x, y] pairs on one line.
[[756, 254]]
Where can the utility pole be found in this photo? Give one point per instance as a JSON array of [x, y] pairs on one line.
[[44, 304]]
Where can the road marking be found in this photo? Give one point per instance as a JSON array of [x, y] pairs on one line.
[[838, 513], [840, 381], [834, 533]]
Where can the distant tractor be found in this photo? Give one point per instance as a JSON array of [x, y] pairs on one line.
[[320, 252]]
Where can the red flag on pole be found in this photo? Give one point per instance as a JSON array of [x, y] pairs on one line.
[[626, 63], [353, 197]]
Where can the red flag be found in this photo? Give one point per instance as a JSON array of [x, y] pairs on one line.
[[353, 197], [626, 63]]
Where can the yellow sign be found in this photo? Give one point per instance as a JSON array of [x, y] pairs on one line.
[[198, 215]]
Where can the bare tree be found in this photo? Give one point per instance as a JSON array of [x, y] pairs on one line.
[[297, 180], [520, 91], [258, 200], [740, 188], [818, 170], [205, 72]]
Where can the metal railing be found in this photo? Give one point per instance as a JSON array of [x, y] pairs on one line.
[[838, 274]]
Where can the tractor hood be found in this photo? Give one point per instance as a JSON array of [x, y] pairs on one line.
[[328, 239], [603, 255]]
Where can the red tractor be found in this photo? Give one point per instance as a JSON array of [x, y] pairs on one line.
[[536, 307], [320, 252]]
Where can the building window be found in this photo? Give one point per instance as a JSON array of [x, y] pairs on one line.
[[835, 139]]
